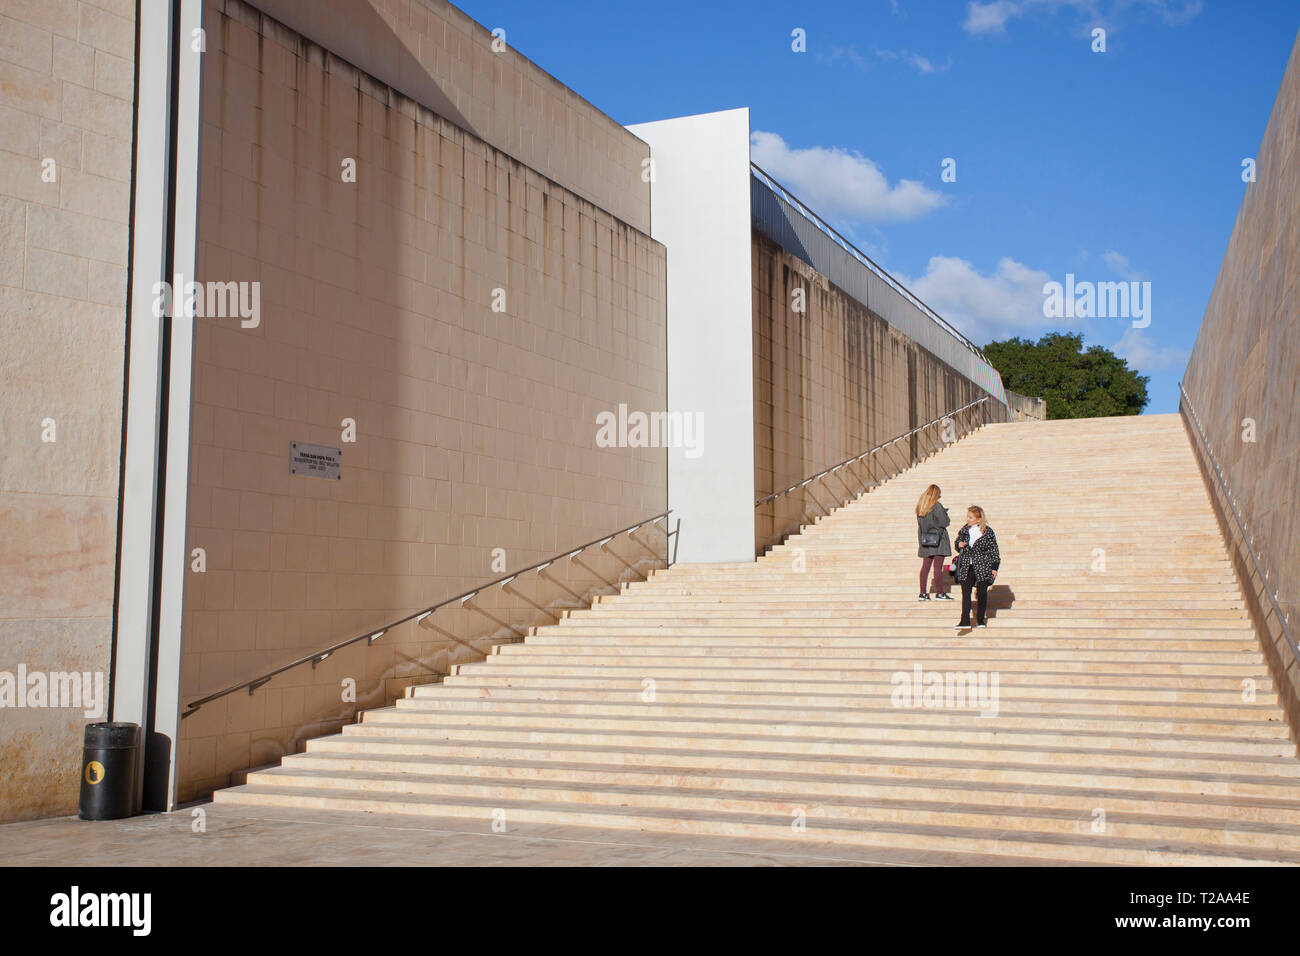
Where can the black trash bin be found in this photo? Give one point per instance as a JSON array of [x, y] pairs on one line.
[[109, 764]]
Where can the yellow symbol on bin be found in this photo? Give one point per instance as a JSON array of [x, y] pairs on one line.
[[94, 772]]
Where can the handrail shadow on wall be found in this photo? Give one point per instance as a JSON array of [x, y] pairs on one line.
[[465, 601], [1259, 582], [785, 515]]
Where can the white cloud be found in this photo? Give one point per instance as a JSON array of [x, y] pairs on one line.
[[992, 17], [984, 307], [844, 53], [1175, 14], [1143, 354], [1119, 264], [839, 184], [919, 63]]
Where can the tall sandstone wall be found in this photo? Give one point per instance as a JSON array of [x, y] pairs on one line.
[[1246, 365], [475, 429], [436, 55], [831, 383], [1026, 408], [66, 93]]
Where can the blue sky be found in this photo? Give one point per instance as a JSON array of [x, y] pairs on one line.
[[1122, 165]]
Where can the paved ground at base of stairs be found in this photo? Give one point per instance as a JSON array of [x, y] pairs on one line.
[[236, 836]]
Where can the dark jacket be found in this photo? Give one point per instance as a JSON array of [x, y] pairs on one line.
[[937, 518], [979, 560]]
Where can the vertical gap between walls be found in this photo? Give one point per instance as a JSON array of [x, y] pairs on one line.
[[152, 772], [126, 375]]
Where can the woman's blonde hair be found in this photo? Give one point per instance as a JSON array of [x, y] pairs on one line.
[[978, 512], [929, 498]]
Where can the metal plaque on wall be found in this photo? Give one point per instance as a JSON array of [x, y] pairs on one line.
[[315, 461]]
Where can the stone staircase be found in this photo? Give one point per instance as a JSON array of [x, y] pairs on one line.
[[1134, 720]]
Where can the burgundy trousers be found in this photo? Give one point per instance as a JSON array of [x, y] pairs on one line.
[[935, 561]]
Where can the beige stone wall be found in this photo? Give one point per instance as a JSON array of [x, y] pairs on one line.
[[1024, 408], [475, 429], [437, 55], [66, 76], [1246, 365], [830, 384]]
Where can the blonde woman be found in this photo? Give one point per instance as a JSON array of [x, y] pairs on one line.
[[932, 541], [976, 565]]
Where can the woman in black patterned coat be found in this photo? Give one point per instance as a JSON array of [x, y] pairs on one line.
[[976, 564]]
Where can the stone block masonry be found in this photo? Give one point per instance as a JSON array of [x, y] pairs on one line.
[[830, 382], [472, 316], [1243, 380], [66, 78]]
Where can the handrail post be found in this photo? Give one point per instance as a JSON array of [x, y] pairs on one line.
[[469, 603], [604, 546], [632, 536], [541, 573], [519, 594], [817, 501], [464, 643], [582, 564]]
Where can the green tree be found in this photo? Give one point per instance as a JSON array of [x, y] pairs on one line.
[[1076, 383]]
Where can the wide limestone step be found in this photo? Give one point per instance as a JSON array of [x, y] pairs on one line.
[[703, 661], [845, 569], [1234, 837], [904, 588], [852, 585], [1080, 752], [897, 526], [852, 562], [868, 653], [880, 526], [1009, 767], [1258, 710], [861, 562], [1103, 688], [903, 658], [591, 637], [1021, 718], [979, 731], [907, 611], [901, 592], [997, 599], [1084, 798], [993, 841], [633, 680], [1010, 632]]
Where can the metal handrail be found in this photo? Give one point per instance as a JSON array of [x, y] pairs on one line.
[[869, 452], [376, 633], [865, 259], [1282, 619]]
